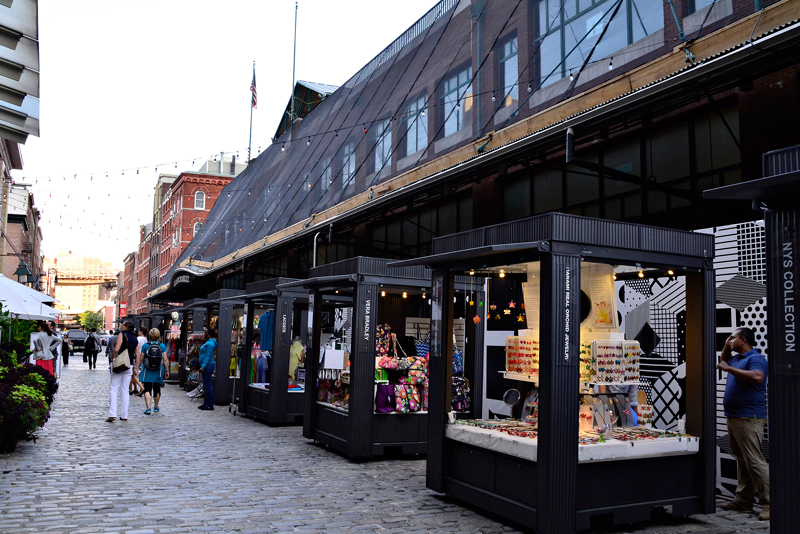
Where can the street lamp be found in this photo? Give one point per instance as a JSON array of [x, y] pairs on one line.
[[24, 275]]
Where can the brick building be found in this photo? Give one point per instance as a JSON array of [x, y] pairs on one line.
[[23, 235], [126, 290], [141, 276]]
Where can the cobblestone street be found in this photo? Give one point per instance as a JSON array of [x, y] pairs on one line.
[[185, 470]]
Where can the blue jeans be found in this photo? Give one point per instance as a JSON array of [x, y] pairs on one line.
[[208, 384]]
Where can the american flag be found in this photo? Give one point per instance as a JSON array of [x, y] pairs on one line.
[[253, 88]]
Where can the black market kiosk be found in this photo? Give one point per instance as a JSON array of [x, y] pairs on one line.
[[273, 398], [350, 301], [777, 196], [557, 475]]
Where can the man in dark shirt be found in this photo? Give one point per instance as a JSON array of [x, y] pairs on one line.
[[745, 404]]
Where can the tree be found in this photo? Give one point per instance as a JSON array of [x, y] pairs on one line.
[[89, 320]]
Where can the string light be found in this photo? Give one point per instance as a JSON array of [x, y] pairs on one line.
[[493, 98], [611, 63]]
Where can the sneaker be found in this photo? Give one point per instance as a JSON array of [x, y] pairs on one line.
[[147, 412], [736, 506], [764, 515], [155, 410]]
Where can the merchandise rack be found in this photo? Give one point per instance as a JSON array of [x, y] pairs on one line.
[[555, 492], [273, 403], [359, 432]]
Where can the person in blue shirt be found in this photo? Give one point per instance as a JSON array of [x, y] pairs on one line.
[[745, 404], [207, 366], [152, 379]]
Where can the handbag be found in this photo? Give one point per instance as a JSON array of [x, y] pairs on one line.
[[38, 349], [401, 398], [384, 398], [121, 363], [423, 346]]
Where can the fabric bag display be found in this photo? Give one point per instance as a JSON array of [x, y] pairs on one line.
[[461, 401], [384, 398], [425, 396], [423, 346], [121, 363], [414, 401], [401, 398]]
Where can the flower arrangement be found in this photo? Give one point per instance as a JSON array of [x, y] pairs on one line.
[[26, 394]]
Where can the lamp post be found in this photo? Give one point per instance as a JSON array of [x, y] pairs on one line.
[[23, 273]]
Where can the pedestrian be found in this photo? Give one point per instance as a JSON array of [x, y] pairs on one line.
[[85, 335], [91, 347], [207, 366], [66, 348], [41, 344], [55, 348], [121, 381], [136, 387], [745, 403], [155, 368]]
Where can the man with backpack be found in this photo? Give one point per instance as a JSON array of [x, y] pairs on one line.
[[155, 369], [90, 348]]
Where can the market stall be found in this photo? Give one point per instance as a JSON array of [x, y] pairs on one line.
[[272, 383], [573, 452], [367, 367]]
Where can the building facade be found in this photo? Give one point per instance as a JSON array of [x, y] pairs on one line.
[[81, 282], [23, 235], [126, 292]]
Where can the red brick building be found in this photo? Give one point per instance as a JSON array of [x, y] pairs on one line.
[[186, 205], [125, 290], [141, 277]]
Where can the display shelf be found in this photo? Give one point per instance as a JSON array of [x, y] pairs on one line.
[[613, 383], [520, 376], [333, 407], [407, 413]]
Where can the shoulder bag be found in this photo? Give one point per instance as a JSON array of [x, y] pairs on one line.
[[122, 361]]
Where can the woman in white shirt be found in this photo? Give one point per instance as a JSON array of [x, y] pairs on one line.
[[41, 344]]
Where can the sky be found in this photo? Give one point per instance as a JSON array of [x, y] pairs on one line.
[[132, 88]]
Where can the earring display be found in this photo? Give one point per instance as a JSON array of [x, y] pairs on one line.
[[586, 362], [522, 355], [615, 362]]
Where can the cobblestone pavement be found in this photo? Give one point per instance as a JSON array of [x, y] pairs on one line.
[[186, 470]]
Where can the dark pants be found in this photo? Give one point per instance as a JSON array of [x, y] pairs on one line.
[[154, 388], [208, 385], [91, 357]]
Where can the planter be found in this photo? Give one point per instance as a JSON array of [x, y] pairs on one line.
[[8, 441]]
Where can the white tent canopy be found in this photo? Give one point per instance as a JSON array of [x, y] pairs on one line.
[[25, 303]]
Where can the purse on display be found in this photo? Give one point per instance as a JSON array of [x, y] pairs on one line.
[[401, 398], [384, 398], [414, 401], [461, 394], [423, 347]]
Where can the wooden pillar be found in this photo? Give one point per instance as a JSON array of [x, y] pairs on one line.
[[440, 375], [362, 370], [558, 393], [312, 363], [222, 385], [279, 369]]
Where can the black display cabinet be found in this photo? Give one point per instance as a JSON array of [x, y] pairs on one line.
[[376, 294], [273, 402], [556, 491], [776, 197]]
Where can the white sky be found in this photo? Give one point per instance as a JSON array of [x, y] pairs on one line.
[[129, 84]]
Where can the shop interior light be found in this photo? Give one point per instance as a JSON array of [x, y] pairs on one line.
[[472, 272], [383, 293], [641, 274], [405, 295], [337, 291], [502, 273], [423, 294], [615, 276], [671, 272]]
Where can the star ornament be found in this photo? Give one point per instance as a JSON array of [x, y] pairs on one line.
[[512, 304]]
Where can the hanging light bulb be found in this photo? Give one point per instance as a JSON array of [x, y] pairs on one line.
[[423, 294], [611, 63], [530, 88], [615, 276], [365, 129], [641, 274], [336, 133], [383, 293], [405, 295], [458, 105], [671, 272], [502, 273], [283, 147], [472, 272], [493, 98], [571, 77], [423, 112]]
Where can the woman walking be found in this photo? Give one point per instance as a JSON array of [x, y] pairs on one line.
[[152, 359], [207, 366], [120, 382], [42, 343], [136, 387]]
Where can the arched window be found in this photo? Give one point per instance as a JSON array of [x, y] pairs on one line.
[[197, 227], [199, 200]]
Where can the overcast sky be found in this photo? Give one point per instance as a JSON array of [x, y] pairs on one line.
[[135, 84]]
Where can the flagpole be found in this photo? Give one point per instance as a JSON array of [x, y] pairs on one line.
[[250, 141], [294, 62]]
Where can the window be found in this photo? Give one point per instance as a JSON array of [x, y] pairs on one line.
[[417, 125], [566, 36], [325, 179], [348, 164], [457, 100], [199, 200], [509, 73], [383, 145], [699, 5], [197, 227]]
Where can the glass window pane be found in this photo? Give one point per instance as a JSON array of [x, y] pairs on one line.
[[448, 217], [670, 153], [549, 59], [581, 188], [646, 18], [697, 5], [517, 198], [547, 191]]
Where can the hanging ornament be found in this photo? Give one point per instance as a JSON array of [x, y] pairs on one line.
[[471, 302], [497, 318], [512, 304], [488, 316], [523, 306], [492, 307], [476, 319], [506, 312], [520, 318]]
